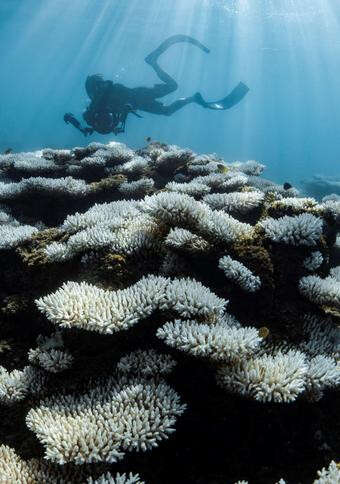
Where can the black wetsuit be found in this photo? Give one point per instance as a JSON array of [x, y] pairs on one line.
[[112, 102]]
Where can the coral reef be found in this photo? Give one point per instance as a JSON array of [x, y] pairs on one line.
[[320, 186], [164, 310]]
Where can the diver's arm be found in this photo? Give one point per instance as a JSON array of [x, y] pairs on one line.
[[69, 118], [120, 127], [122, 118]]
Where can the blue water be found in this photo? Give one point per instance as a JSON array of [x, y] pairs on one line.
[[286, 51]]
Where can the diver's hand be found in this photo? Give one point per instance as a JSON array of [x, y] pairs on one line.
[[87, 131], [128, 109], [68, 117]]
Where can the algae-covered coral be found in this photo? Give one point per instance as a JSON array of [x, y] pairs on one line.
[[164, 299]]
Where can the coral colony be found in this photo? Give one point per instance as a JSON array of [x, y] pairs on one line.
[[122, 271]]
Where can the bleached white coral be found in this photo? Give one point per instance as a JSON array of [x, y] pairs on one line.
[[17, 384], [146, 363], [186, 240], [109, 214], [6, 218], [331, 475], [52, 360], [239, 274], [130, 237], [267, 378], [139, 187], [136, 166], [213, 181], [11, 236], [90, 162], [57, 252], [34, 164], [335, 273], [222, 227], [331, 207], [219, 342], [53, 186], [296, 203], [111, 154], [175, 208], [234, 181], [86, 306], [190, 299], [172, 159], [191, 188], [313, 261], [250, 167], [323, 372], [195, 168], [178, 209], [321, 336], [321, 291], [107, 421], [304, 229], [237, 202], [108, 478], [14, 469]]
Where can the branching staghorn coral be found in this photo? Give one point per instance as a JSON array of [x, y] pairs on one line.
[[11, 236], [137, 188], [15, 385], [191, 188], [221, 227], [321, 291], [186, 240], [305, 229], [279, 378], [239, 274], [146, 364], [250, 167], [125, 237], [111, 419], [175, 208], [108, 478], [52, 360], [59, 186], [314, 261], [335, 273], [236, 202], [94, 309], [14, 469], [172, 159], [219, 342], [320, 336], [183, 231], [109, 214], [330, 475]]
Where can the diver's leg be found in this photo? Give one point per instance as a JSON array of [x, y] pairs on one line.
[[156, 107], [174, 39], [170, 84]]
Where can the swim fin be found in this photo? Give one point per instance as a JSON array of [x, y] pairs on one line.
[[174, 39], [236, 95]]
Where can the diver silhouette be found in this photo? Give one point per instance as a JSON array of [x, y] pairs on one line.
[[112, 102]]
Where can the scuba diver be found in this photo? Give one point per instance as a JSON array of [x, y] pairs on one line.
[[112, 102]]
